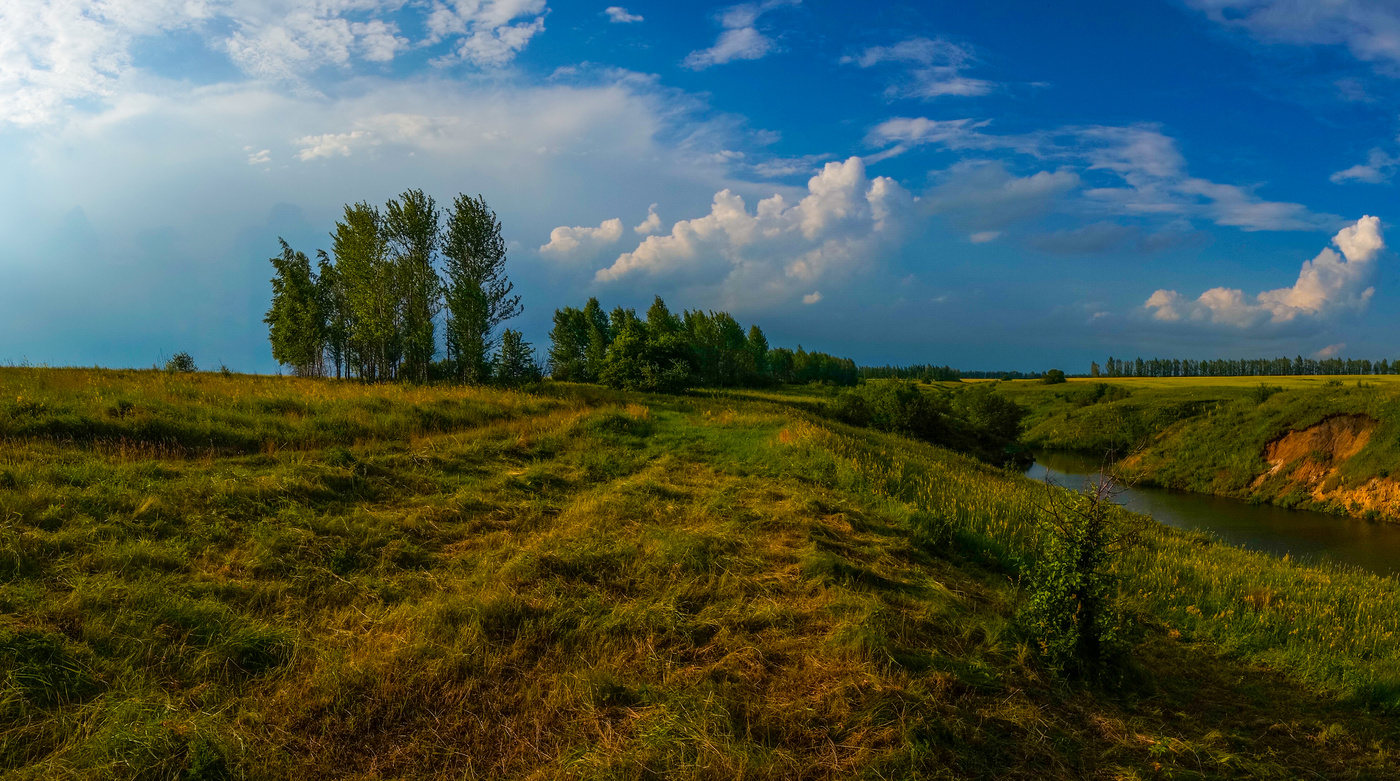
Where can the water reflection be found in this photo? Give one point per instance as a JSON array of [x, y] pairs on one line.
[[1374, 546]]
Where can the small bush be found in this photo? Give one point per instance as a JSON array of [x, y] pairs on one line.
[[180, 362], [1073, 613]]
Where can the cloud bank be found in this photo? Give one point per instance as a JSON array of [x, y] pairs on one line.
[[780, 249], [1329, 285]]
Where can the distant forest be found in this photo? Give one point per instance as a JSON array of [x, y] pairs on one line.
[[1226, 367], [931, 373]]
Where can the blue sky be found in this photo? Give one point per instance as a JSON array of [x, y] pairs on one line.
[[990, 185]]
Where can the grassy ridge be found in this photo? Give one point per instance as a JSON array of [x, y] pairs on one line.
[[269, 578], [1210, 435]]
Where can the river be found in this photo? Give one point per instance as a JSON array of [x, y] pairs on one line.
[[1370, 545]]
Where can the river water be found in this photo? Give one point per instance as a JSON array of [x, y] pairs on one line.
[[1371, 545]]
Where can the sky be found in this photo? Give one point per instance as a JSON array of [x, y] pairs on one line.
[[995, 185]]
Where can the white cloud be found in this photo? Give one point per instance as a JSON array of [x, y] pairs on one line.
[[1328, 286], [260, 157], [984, 237], [1148, 173], [1378, 168], [652, 224], [1330, 350], [741, 39], [814, 297], [576, 243], [55, 52], [1369, 29], [982, 197], [934, 68], [780, 248], [329, 144], [618, 15]]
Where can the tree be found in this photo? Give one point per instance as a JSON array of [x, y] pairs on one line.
[[515, 360], [367, 278], [478, 293], [758, 353], [1053, 377], [295, 322], [599, 337], [1093, 368], [568, 345], [330, 291], [411, 234]]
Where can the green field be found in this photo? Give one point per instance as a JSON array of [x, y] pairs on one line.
[[232, 577]]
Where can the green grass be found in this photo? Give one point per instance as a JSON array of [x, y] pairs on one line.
[[1210, 435], [217, 578]]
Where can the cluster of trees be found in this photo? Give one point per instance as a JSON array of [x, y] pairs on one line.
[[397, 283], [974, 420], [669, 352], [923, 372], [1256, 367], [930, 373]]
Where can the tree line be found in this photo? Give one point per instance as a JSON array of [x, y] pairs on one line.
[[669, 352], [1226, 367], [927, 372], [399, 283]]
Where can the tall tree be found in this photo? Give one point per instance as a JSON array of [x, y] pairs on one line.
[[478, 293], [361, 258], [568, 345], [758, 353], [330, 288], [412, 237], [296, 325], [599, 337]]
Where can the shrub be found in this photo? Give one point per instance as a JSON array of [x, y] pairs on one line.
[[180, 362], [1073, 611]]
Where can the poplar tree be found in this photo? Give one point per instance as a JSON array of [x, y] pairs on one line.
[[296, 325], [478, 293], [411, 234], [367, 277], [330, 289], [568, 345], [599, 337]]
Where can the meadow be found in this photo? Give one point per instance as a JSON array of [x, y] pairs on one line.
[[234, 577]]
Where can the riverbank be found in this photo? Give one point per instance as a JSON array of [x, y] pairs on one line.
[[212, 577], [1325, 444]]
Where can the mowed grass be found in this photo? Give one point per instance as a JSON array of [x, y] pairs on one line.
[[207, 577]]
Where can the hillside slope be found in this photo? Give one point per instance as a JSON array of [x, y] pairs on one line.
[[1318, 443], [206, 577]]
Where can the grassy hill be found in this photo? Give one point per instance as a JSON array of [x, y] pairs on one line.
[[1324, 443], [206, 577]]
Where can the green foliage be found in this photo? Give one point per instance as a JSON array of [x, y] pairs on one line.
[[296, 322], [413, 238], [1073, 612], [669, 353], [1053, 377], [180, 363], [515, 363], [478, 294], [977, 421]]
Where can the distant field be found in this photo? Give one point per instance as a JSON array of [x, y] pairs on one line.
[[206, 577]]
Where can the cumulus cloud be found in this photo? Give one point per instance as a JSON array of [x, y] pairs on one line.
[[582, 242], [54, 52], [652, 224], [813, 297], [1369, 29], [1330, 350], [1378, 168], [741, 39], [781, 248], [1328, 286], [932, 68], [618, 15]]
